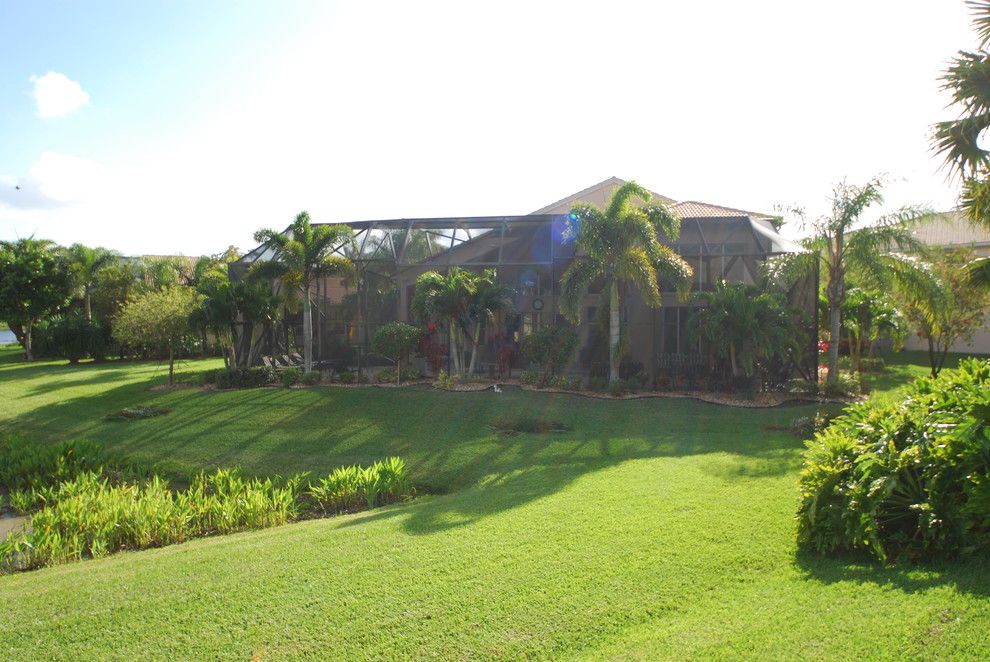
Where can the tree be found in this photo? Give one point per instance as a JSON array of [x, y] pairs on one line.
[[86, 264], [301, 255], [396, 340], [954, 310], [35, 282], [490, 298], [158, 318], [446, 299], [619, 247], [847, 249]]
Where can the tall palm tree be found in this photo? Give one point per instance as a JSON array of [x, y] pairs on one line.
[[301, 255], [446, 298], [620, 246], [846, 249], [489, 299], [86, 263]]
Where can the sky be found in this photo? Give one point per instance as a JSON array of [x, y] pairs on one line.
[[183, 127]]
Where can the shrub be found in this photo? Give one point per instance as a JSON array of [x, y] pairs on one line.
[[847, 384], [348, 489], [386, 375], [346, 377], [566, 383], [291, 376], [530, 377], [550, 348], [904, 479], [241, 377], [312, 378], [73, 337], [806, 426], [447, 382]]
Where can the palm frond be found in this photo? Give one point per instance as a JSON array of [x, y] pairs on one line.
[[957, 142], [978, 272], [582, 271], [981, 19], [664, 219], [623, 197]]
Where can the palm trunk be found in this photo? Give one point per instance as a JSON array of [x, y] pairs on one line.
[[88, 307], [613, 334], [307, 331], [732, 359], [454, 349], [474, 350], [835, 328], [171, 365]]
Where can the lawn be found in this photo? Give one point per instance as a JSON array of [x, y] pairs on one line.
[[653, 529]]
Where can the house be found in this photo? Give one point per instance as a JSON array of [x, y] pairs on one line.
[[530, 253], [952, 230]]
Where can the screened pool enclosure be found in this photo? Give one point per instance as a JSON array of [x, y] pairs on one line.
[[529, 254]]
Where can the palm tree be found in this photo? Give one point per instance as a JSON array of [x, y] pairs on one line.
[[489, 299], [301, 255], [846, 249], [619, 246], [446, 298], [86, 263]]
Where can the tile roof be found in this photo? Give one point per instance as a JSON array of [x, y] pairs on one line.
[[694, 209], [564, 204]]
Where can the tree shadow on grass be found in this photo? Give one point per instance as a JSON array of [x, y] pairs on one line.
[[445, 438], [969, 576]]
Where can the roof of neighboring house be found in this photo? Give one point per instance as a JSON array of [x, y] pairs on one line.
[[602, 191], [596, 194], [952, 229], [694, 209]]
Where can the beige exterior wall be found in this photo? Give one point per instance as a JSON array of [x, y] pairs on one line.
[[952, 230]]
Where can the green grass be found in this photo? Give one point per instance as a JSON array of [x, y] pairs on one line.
[[652, 529]]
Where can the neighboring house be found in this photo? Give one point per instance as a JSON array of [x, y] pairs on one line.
[[952, 230], [530, 253]]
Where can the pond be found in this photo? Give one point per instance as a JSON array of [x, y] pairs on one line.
[[7, 336]]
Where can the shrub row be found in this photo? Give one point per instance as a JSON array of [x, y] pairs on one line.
[[904, 479], [225, 378], [93, 514]]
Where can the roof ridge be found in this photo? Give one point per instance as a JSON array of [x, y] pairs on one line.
[[754, 214], [594, 187]]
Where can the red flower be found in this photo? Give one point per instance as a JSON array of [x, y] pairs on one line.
[[822, 345], [431, 327]]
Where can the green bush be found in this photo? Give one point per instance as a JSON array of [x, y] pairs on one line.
[[291, 376], [848, 384], [396, 340], [447, 382], [240, 377], [386, 375], [346, 377], [530, 377], [550, 348], [312, 378], [905, 479]]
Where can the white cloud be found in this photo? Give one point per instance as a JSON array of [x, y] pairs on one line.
[[54, 180], [57, 95]]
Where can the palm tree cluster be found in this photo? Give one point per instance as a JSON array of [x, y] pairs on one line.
[[464, 303]]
